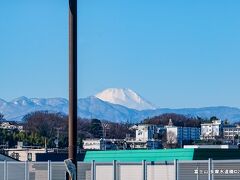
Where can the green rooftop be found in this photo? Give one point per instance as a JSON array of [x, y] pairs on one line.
[[161, 155], [139, 155]]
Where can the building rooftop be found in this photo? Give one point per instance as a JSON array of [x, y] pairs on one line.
[[161, 155]]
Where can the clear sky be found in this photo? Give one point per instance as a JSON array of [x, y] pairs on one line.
[[174, 53]]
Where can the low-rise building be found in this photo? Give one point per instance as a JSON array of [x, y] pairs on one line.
[[99, 144], [147, 137], [9, 126], [149, 144], [24, 153], [231, 132]]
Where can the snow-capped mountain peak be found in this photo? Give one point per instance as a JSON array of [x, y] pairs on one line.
[[125, 97]]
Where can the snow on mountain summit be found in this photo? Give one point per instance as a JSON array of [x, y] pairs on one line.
[[125, 97]]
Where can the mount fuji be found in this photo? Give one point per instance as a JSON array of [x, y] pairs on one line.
[[125, 97]]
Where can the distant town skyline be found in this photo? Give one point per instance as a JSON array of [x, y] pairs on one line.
[[176, 55]]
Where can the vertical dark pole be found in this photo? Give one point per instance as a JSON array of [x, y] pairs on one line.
[[72, 130]]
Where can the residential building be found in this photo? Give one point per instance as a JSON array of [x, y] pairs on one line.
[[24, 153], [176, 134], [147, 137], [149, 144], [210, 131], [145, 132], [99, 144], [9, 126], [231, 132]]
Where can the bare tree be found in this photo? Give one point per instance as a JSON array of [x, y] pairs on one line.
[[171, 139]]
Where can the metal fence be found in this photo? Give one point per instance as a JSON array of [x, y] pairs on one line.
[[177, 170]]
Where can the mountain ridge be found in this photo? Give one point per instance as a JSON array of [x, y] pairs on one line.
[[92, 107], [113, 104]]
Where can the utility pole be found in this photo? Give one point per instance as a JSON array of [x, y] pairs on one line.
[[104, 127], [72, 122], [56, 141]]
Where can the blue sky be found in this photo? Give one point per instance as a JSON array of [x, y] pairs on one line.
[[173, 53]]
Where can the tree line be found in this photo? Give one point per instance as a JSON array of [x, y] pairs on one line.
[[177, 120], [42, 127]]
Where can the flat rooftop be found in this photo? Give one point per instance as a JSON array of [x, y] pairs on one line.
[[161, 155]]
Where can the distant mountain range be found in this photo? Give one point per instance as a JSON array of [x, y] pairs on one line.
[[118, 105]]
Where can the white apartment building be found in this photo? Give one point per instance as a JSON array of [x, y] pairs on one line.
[[145, 132], [146, 137], [211, 130]]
